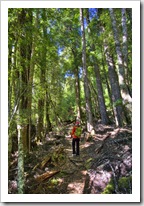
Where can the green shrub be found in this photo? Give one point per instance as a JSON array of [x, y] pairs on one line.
[[124, 186], [109, 188]]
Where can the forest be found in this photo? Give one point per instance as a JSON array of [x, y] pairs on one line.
[[67, 65]]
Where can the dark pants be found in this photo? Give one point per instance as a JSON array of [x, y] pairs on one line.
[[75, 145]]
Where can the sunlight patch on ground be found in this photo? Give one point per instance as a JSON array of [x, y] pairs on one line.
[[86, 145], [84, 172], [60, 180], [68, 136], [69, 150], [76, 187]]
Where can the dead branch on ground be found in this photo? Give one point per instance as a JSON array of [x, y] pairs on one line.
[[46, 175]]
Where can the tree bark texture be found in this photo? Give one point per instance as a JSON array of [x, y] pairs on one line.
[[20, 162], [77, 83], [25, 57], [116, 96], [104, 116], [127, 100], [86, 88], [103, 113], [77, 89], [125, 46]]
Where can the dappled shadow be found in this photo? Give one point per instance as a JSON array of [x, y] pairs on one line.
[[111, 159], [101, 161]]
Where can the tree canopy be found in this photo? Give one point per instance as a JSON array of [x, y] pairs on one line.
[[66, 65]]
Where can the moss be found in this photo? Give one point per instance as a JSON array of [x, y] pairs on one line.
[[54, 181], [118, 103], [109, 188], [124, 186], [88, 163]]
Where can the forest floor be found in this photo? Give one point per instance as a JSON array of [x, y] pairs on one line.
[[104, 158]]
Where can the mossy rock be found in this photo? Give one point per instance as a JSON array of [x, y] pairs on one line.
[[109, 188], [88, 163], [124, 186]]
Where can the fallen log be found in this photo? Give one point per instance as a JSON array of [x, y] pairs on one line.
[[46, 175], [44, 162]]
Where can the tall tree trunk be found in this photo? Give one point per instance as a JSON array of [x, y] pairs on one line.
[[42, 78], [21, 142], [43, 65], [116, 96], [104, 116], [30, 99], [77, 89], [103, 113], [127, 100], [77, 85], [9, 80], [20, 161], [21, 127], [95, 99], [23, 75], [86, 88], [125, 48], [13, 98], [40, 118], [48, 122], [9, 95], [30, 60], [108, 87]]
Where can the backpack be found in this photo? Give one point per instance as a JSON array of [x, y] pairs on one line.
[[78, 132]]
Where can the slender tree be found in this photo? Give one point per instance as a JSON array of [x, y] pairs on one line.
[[116, 96], [102, 107], [77, 84], [125, 48], [86, 88], [127, 100], [43, 66]]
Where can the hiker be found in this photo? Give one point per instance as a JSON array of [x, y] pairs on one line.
[[75, 135]]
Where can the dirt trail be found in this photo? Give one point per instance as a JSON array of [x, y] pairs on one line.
[[88, 173], [76, 166], [72, 176]]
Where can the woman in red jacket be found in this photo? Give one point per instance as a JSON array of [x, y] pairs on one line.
[[75, 140]]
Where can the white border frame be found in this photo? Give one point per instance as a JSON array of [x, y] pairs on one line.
[[135, 196]]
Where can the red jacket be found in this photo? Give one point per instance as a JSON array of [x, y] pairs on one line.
[[73, 131]]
